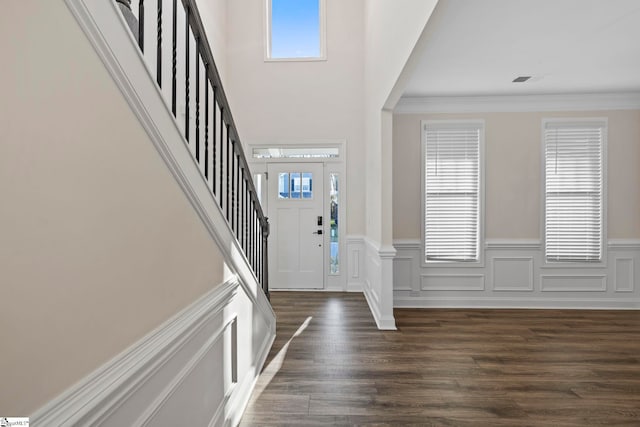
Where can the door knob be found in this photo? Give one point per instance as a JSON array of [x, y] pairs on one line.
[[317, 232]]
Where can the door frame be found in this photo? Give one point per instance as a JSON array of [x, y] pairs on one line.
[[332, 282]]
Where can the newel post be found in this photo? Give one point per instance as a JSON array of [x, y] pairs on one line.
[[265, 258]]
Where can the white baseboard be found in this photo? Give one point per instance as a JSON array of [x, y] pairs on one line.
[[192, 354], [516, 303], [354, 287]]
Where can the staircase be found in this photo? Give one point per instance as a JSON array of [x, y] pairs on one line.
[[207, 125], [199, 366]]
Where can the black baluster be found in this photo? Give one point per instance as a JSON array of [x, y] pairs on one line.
[[174, 62], [230, 185], [234, 224], [244, 213], [265, 257], [227, 169], [206, 121], [256, 255], [186, 74], [237, 197], [141, 25], [248, 223], [236, 210], [247, 197], [198, 100], [246, 216], [213, 145], [220, 198], [241, 208], [254, 217], [242, 205], [159, 46], [259, 251], [251, 240]]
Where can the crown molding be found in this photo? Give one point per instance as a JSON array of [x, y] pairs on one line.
[[518, 103]]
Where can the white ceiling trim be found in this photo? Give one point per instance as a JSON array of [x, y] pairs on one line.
[[518, 103]]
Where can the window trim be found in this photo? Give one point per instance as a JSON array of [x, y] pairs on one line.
[[481, 199], [543, 199], [323, 36]]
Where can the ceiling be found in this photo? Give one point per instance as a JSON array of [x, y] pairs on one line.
[[477, 48]]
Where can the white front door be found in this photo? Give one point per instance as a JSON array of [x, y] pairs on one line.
[[295, 213]]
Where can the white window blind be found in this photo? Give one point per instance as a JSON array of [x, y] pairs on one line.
[[573, 191], [452, 187]]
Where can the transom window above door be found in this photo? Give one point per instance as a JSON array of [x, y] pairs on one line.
[[295, 185]]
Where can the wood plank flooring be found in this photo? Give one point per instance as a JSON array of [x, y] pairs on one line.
[[330, 366]]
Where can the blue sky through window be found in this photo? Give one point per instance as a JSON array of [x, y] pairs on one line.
[[295, 29]]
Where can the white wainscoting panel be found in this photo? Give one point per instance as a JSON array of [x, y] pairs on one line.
[[573, 283], [624, 275], [402, 268], [410, 283], [452, 282], [355, 263], [198, 368], [515, 276], [512, 273]]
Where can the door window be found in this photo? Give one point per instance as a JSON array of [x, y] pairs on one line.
[[295, 185]]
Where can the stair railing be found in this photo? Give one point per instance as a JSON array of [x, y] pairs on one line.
[[209, 131]]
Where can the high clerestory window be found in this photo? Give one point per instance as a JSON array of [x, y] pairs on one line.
[[295, 30]]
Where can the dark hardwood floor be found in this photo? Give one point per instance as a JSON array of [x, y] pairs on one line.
[[330, 366]]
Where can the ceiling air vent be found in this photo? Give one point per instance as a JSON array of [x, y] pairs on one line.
[[521, 79]]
